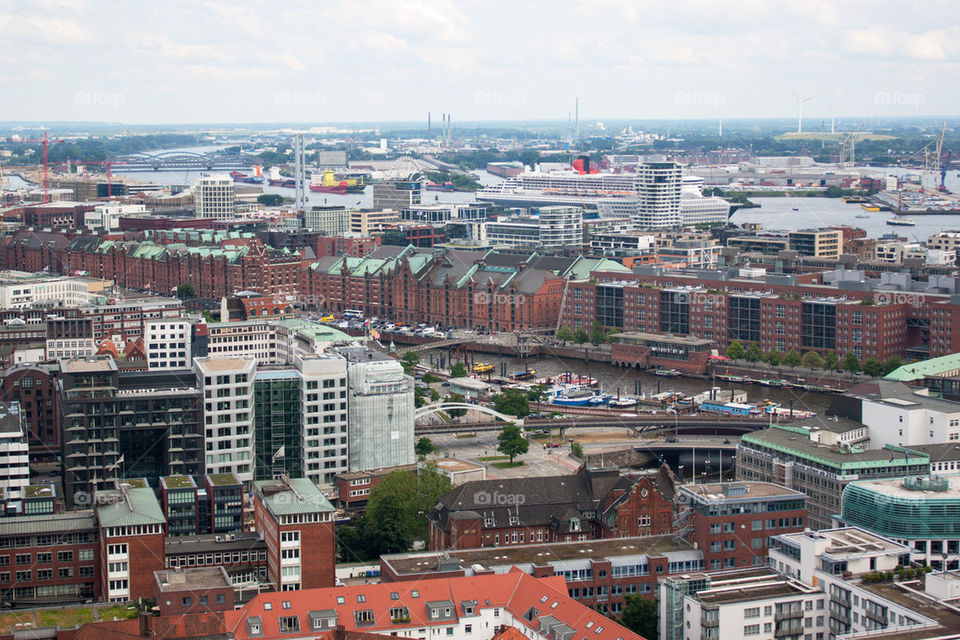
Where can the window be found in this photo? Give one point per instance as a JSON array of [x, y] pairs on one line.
[[643, 521], [751, 630], [289, 624]]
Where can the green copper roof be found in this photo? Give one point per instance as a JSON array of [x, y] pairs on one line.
[[942, 366], [139, 507], [300, 496]]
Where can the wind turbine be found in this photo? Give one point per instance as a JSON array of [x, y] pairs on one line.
[[800, 102]]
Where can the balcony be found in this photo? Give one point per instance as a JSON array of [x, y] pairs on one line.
[[786, 614], [788, 630]]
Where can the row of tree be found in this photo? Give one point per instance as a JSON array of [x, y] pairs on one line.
[[597, 335], [813, 360]]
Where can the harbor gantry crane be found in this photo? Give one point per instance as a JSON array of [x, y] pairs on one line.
[[848, 147], [45, 175]]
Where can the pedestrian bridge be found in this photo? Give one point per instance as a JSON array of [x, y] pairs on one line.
[[439, 407]]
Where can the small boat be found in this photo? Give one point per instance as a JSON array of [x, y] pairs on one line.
[[667, 373], [569, 378], [573, 398], [901, 222], [623, 403], [870, 207], [796, 209], [861, 216], [523, 375], [600, 398], [482, 367]]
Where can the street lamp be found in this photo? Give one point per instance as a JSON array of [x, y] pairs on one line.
[[680, 468]]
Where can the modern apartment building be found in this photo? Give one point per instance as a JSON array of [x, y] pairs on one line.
[[169, 343], [300, 419], [227, 386], [14, 451], [366, 221], [332, 220], [396, 194], [897, 415], [215, 197], [139, 424]]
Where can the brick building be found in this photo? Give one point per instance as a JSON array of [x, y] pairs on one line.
[[296, 522], [49, 559], [591, 504], [353, 489], [191, 591], [34, 387], [733, 523]]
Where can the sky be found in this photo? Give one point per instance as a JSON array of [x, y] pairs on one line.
[[197, 61]]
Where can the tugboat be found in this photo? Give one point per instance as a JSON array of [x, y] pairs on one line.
[[482, 367], [526, 374]]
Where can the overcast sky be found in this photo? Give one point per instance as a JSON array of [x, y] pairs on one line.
[[178, 61]]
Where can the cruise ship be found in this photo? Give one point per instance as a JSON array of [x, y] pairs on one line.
[[560, 188]]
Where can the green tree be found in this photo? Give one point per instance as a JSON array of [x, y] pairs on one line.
[[873, 367], [597, 333], [891, 364], [576, 449], [753, 354], [640, 616], [580, 336], [419, 396], [830, 361], [537, 393], [458, 370], [410, 360], [392, 532], [434, 395], [735, 350], [399, 504], [456, 413], [270, 199], [424, 447], [850, 363], [833, 191], [792, 358], [429, 378], [564, 334], [812, 360], [772, 358], [512, 402], [511, 442], [185, 290]]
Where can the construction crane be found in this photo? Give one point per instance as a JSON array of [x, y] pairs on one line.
[[98, 163], [45, 179], [848, 147]]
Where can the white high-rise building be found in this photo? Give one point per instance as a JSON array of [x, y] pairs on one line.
[[215, 197], [658, 192], [167, 343], [14, 451], [227, 385], [561, 226], [381, 413]]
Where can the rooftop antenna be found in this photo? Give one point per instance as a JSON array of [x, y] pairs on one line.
[[800, 102], [577, 119]]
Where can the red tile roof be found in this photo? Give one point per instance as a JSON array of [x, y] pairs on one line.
[[515, 592]]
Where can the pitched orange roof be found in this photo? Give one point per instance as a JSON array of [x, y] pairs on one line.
[[529, 601]]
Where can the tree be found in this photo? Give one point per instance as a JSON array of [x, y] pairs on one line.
[[434, 395], [391, 532], [511, 442], [270, 199], [429, 378], [537, 392], [850, 363], [597, 333], [576, 449], [640, 616], [424, 447], [185, 290], [458, 370], [873, 367], [419, 396], [580, 336], [772, 358], [830, 361], [512, 402], [395, 513], [753, 354], [456, 413], [892, 363], [792, 358], [812, 360], [410, 360], [564, 334], [735, 350]]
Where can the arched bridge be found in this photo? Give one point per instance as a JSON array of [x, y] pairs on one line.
[[183, 160], [430, 409]]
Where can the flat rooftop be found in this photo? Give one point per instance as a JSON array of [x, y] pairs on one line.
[[747, 592], [739, 491], [538, 555], [453, 465], [911, 595], [850, 540], [632, 337], [195, 578], [224, 364], [91, 364]]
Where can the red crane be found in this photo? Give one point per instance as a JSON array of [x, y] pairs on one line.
[[101, 163], [45, 141]]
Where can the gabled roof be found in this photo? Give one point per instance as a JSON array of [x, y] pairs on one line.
[[135, 506]]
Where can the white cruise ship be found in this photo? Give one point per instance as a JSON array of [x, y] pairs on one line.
[[560, 188]]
